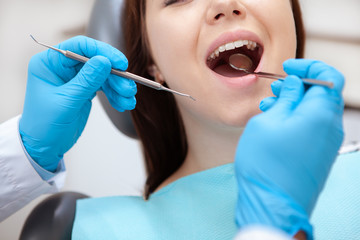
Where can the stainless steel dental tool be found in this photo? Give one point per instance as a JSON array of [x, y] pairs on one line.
[[124, 74], [243, 63]]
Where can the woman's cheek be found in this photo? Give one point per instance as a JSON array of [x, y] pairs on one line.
[[280, 26]]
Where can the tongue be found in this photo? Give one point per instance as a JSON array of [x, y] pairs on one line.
[[227, 71]]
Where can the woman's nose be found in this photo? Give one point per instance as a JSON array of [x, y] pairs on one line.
[[220, 10]]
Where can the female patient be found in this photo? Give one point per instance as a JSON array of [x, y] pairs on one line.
[[192, 191]]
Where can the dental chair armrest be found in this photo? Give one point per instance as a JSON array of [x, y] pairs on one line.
[[52, 218]]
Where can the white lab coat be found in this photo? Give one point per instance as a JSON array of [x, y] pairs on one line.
[[19, 181]]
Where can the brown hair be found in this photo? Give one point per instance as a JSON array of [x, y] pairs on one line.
[[157, 119]]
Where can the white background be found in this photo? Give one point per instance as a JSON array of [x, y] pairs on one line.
[[104, 162]]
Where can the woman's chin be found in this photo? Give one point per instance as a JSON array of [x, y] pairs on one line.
[[237, 119]]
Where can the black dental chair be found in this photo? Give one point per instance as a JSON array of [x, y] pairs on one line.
[[53, 218]]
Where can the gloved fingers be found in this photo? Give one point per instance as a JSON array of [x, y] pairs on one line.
[[124, 104], [267, 103], [88, 80], [66, 68], [276, 87], [83, 117], [306, 68], [124, 87], [323, 98], [89, 48], [43, 66], [118, 101], [321, 106], [291, 95], [317, 96]]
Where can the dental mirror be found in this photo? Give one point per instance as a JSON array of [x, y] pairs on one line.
[[240, 62], [243, 63]]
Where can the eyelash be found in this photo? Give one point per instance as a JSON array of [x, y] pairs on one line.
[[169, 2]]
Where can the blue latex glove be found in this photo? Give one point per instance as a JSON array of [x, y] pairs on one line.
[[59, 93], [285, 154]]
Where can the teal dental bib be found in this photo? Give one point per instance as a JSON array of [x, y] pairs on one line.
[[202, 206]]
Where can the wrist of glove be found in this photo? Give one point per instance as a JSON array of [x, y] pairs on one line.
[[270, 206], [42, 154], [285, 154]]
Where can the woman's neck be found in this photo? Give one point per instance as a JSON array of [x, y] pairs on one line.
[[208, 147]]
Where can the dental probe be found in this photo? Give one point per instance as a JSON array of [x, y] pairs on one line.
[[124, 74], [242, 62]]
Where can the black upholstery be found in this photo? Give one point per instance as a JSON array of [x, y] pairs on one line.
[[105, 26], [53, 218]]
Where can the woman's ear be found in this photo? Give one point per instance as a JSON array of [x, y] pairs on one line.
[[155, 72]]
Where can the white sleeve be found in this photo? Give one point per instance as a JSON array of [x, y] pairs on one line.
[[261, 233], [20, 183]]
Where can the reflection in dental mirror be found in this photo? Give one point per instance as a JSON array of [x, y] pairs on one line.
[[240, 62]]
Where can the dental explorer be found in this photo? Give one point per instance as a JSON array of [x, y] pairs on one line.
[[243, 63], [124, 74]]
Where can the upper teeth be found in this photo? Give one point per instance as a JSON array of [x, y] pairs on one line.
[[232, 45]]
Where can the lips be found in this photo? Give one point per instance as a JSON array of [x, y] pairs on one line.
[[221, 49]]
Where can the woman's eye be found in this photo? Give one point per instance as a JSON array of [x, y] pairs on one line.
[[169, 2]]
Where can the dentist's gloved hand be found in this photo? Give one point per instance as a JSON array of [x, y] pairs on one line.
[[285, 154], [59, 93]]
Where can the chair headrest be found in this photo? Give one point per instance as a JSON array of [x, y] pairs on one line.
[[105, 26]]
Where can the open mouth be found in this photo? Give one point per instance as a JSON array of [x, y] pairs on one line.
[[218, 60]]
